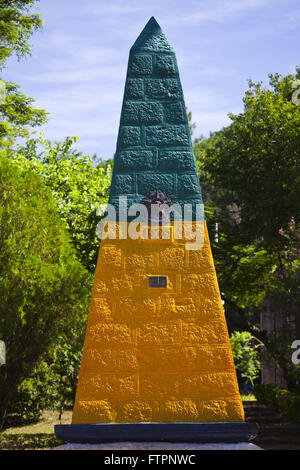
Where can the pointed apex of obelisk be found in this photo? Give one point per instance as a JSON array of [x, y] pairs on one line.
[[151, 39]]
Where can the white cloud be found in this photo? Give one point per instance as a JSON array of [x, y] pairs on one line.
[[217, 11]]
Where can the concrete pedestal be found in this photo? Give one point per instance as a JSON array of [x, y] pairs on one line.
[[159, 446], [199, 433]]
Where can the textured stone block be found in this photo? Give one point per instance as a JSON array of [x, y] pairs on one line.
[[178, 411], [191, 358], [93, 411], [122, 285], [140, 259], [133, 160], [140, 65], [201, 259], [134, 88], [123, 184], [166, 358], [108, 333], [100, 287], [165, 65], [163, 88], [98, 386], [199, 358], [188, 184], [151, 182], [205, 283], [100, 309], [130, 136], [158, 334], [210, 385], [212, 410], [121, 206], [204, 334], [160, 386], [171, 258], [137, 112], [175, 113], [184, 308], [136, 309], [167, 135], [220, 410], [209, 309], [110, 255], [175, 160], [136, 411], [110, 359]]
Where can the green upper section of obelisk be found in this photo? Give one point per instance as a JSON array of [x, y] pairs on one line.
[[154, 147]]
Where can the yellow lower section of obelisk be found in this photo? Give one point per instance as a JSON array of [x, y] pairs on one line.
[[156, 354]]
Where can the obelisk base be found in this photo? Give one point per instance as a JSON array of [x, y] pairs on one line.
[[237, 432]]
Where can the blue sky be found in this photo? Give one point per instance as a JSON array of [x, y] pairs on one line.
[[78, 68]]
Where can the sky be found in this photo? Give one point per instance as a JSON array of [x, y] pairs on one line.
[[78, 66]]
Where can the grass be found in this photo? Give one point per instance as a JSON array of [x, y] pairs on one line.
[[34, 436], [249, 397]]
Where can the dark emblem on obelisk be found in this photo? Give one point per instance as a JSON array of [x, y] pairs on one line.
[[160, 200]]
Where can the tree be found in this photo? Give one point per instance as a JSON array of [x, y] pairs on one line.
[[250, 172], [17, 115], [283, 297], [78, 185], [16, 27], [42, 285], [255, 161]]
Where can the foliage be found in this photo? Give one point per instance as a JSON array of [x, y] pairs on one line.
[[52, 383], [35, 393], [42, 285], [284, 401], [78, 186], [107, 165], [17, 115], [283, 299], [66, 365], [255, 161], [17, 24], [245, 355], [250, 173]]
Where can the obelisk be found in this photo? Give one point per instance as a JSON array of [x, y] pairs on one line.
[[157, 359]]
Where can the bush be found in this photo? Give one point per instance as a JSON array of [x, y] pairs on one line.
[[43, 288], [36, 393], [245, 355], [284, 401]]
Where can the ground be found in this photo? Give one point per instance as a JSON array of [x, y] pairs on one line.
[[38, 435], [275, 432]]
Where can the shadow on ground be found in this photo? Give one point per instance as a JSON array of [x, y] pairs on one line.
[[28, 441]]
